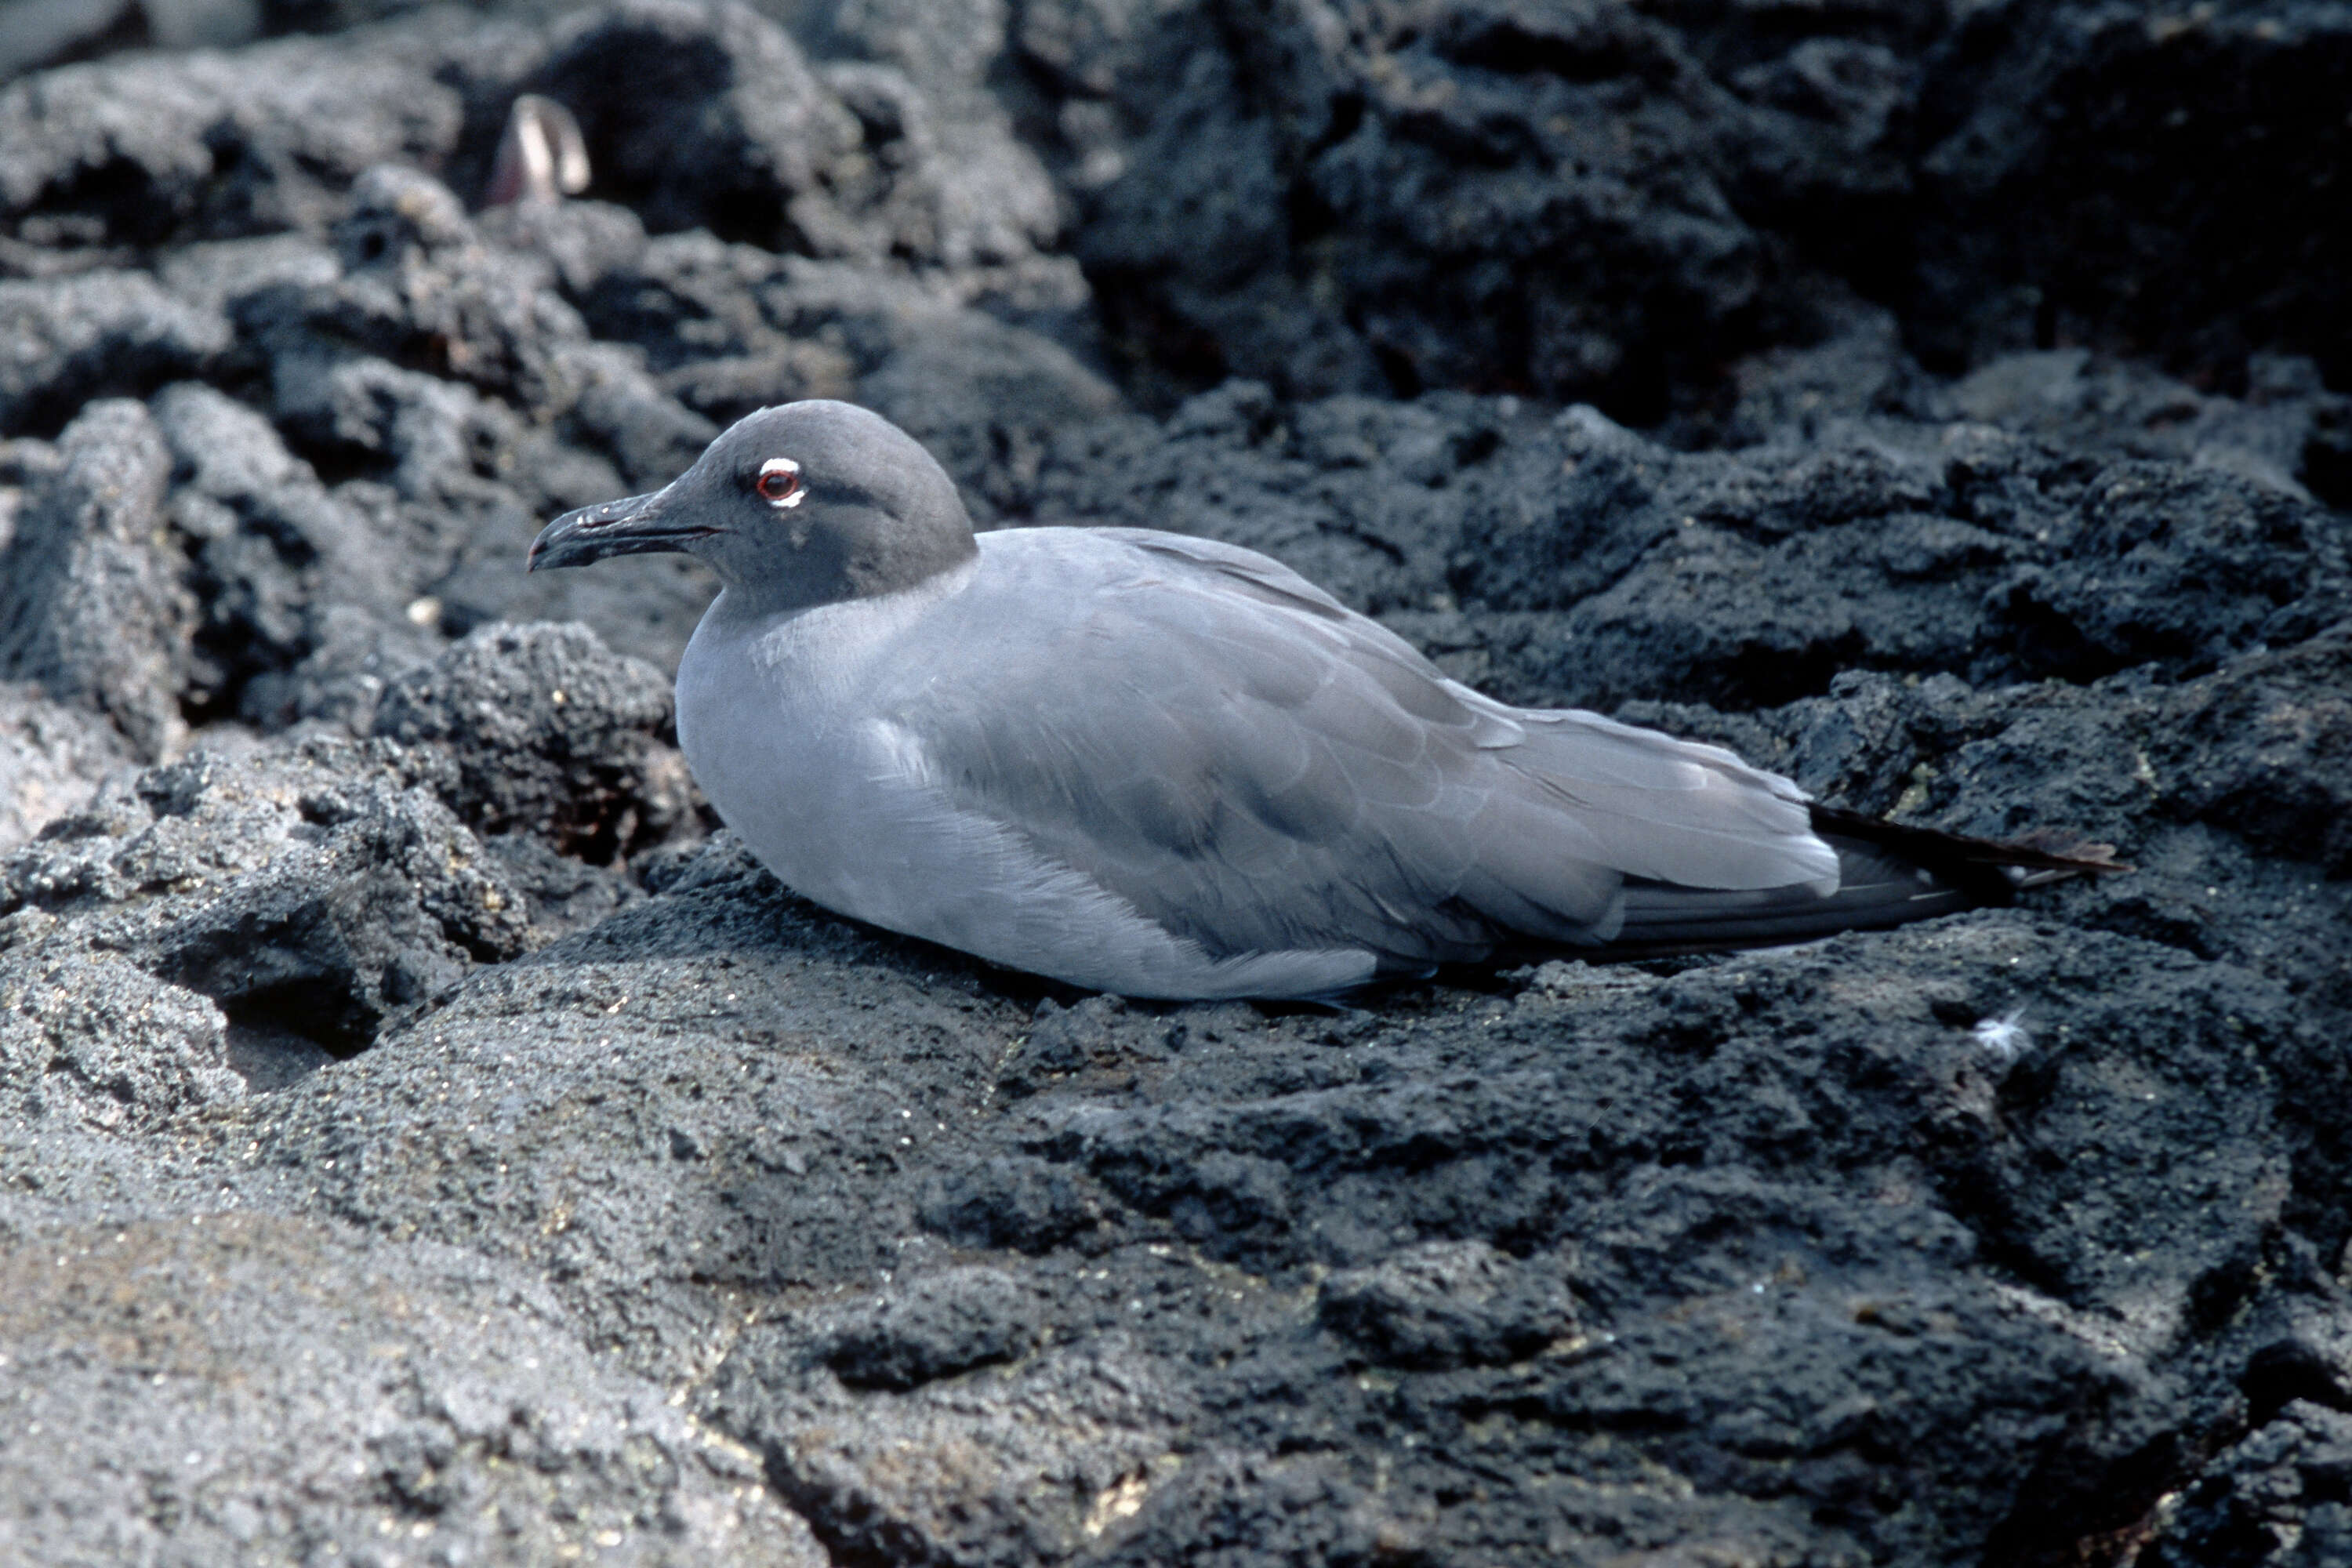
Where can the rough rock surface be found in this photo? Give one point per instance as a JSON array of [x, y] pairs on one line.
[[299, 889], [423, 1140], [1599, 201], [552, 735], [94, 606], [53, 762]]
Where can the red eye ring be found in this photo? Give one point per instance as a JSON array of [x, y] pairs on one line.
[[778, 483]]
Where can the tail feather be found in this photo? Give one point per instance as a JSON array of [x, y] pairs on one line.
[[2044, 855], [1889, 875]]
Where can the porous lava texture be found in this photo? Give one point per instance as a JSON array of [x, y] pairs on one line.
[[427, 1137]]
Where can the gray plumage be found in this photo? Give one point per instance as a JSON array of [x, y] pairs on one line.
[[1164, 766]]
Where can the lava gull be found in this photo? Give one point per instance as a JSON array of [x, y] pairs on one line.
[[1162, 766]]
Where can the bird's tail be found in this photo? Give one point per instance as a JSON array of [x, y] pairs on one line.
[[1888, 875]]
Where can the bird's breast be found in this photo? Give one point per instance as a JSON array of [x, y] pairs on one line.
[[779, 721]]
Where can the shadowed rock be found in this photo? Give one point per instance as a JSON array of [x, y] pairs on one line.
[[93, 602]]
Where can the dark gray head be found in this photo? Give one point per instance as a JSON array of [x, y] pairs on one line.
[[803, 504]]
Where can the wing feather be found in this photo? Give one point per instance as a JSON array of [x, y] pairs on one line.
[[1206, 735]]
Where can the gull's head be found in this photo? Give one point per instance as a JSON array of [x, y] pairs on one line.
[[801, 504]]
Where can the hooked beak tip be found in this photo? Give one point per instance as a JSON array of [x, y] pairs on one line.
[[632, 525]]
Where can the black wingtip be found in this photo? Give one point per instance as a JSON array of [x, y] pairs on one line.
[[2047, 855], [1891, 873]]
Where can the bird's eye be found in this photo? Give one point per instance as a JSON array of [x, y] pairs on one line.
[[778, 483]]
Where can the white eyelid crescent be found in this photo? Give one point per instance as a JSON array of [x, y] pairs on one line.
[[784, 465]]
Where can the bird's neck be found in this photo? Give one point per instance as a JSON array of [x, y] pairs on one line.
[[832, 567], [883, 566], [753, 606]]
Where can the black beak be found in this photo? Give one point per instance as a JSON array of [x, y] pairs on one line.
[[632, 525]]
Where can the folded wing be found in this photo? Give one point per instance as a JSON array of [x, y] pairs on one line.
[[1221, 744]]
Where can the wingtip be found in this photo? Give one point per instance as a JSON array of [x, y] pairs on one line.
[[2071, 856], [2045, 854]]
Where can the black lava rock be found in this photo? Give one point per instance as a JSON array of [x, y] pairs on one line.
[[418, 1138], [552, 734]]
